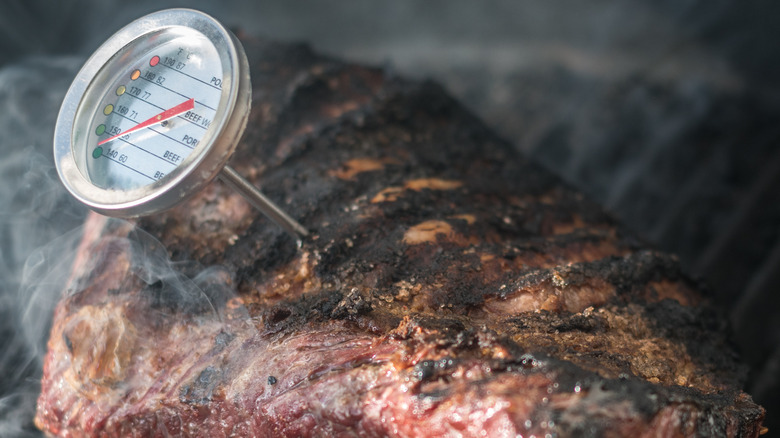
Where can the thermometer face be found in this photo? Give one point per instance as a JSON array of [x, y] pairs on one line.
[[176, 86], [154, 114]]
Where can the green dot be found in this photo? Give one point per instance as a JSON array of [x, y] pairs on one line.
[[97, 152], [100, 129]]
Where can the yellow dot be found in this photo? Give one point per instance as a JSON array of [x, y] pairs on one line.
[[121, 90], [108, 109], [135, 75]]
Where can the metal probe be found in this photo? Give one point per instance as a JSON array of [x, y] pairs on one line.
[[262, 203]]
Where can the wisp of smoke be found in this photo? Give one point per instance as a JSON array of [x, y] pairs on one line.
[[35, 210], [40, 233]]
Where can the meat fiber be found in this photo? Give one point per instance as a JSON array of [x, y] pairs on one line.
[[448, 288]]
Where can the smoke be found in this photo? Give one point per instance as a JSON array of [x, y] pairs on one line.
[[40, 233], [36, 210], [172, 287], [25, 331], [48, 274]]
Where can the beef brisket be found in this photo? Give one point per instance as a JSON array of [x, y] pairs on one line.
[[448, 288]]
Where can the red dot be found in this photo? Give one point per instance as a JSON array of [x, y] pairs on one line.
[[155, 59]]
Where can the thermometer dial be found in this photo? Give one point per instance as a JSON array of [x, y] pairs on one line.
[[154, 115]]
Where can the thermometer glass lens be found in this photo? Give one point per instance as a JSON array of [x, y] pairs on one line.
[[153, 108]]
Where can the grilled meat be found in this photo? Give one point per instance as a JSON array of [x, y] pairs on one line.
[[448, 288]]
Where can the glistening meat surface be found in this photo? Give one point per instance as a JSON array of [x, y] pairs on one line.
[[448, 288]]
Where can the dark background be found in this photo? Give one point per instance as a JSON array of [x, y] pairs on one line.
[[665, 111]]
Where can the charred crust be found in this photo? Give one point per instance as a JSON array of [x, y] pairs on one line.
[[639, 268], [263, 248], [694, 327], [320, 307], [581, 323], [201, 389], [351, 305], [443, 331], [644, 398], [688, 326], [222, 340], [625, 273], [559, 322]]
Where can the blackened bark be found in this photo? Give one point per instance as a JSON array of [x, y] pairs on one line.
[[448, 285]]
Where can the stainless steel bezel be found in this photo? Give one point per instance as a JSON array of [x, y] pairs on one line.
[[209, 156]]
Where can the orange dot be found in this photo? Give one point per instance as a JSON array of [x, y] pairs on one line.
[[136, 74]]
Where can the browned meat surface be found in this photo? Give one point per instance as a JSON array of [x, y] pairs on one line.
[[448, 288]]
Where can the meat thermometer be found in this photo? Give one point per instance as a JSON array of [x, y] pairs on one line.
[[154, 115]]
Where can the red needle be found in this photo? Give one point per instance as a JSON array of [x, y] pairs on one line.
[[163, 116]]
